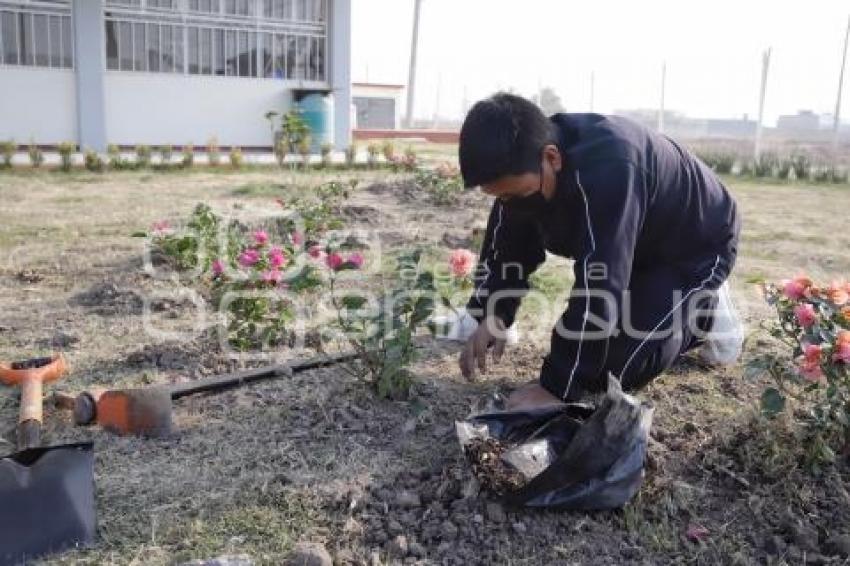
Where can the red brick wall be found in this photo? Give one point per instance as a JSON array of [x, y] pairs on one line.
[[436, 136]]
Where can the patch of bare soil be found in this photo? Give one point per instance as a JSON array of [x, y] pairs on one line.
[[108, 299]]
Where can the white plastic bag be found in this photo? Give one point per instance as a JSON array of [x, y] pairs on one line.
[[725, 340], [459, 327]]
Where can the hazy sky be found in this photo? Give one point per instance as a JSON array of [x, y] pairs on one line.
[[712, 49]]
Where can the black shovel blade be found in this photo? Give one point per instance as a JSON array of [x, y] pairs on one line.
[[46, 501]]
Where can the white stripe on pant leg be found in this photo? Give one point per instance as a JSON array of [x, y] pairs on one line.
[[587, 295], [669, 314]]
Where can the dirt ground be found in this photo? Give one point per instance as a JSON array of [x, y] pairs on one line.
[[318, 458]]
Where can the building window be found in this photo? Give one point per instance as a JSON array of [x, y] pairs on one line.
[[235, 38], [239, 7], [205, 6], [37, 36]]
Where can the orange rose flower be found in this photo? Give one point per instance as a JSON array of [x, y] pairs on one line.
[[838, 293]]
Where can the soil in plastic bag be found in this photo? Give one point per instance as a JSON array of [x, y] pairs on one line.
[[571, 456]]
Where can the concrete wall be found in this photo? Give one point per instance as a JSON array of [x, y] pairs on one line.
[[173, 109], [89, 63], [38, 104]]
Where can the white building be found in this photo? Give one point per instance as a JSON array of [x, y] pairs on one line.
[[377, 105], [159, 72]]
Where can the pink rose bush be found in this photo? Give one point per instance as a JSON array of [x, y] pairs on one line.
[[814, 321]]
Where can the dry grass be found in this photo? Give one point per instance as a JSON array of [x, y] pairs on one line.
[[255, 470]]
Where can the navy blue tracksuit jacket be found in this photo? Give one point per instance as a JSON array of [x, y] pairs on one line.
[[649, 226]]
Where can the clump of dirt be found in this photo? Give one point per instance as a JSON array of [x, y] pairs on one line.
[[494, 474], [108, 299], [363, 214], [404, 191], [198, 357], [453, 241], [29, 276]]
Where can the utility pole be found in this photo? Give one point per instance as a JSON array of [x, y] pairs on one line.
[[437, 101], [661, 106], [592, 86], [411, 75], [836, 126], [464, 105], [765, 65]]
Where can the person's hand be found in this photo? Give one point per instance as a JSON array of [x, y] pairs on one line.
[[530, 396], [490, 333]]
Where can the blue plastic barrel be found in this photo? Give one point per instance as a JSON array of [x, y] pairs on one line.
[[317, 111]]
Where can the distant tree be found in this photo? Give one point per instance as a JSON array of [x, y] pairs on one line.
[[548, 101]]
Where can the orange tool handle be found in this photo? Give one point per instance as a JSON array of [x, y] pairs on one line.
[[29, 428]]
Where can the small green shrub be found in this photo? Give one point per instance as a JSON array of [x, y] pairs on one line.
[[373, 150], [7, 150], [281, 149], [351, 155], [213, 152], [294, 129], [304, 146], [235, 157], [383, 335], [165, 154], [93, 161], [188, 155], [766, 165], [388, 149], [410, 161], [143, 155], [35, 154], [444, 184], [802, 165], [326, 150], [66, 153]]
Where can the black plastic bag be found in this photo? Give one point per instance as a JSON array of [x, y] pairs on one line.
[[573, 456]]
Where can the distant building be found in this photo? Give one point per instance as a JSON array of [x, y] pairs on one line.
[[377, 105], [170, 71], [677, 124], [730, 127], [803, 121]]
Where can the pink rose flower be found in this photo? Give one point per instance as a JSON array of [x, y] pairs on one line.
[[795, 289], [316, 252], [161, 227], [271, 276], [812, 352], [805, 314], [261, 238], [334, 261], [249, 258], [809, 364], [461, 262], [276, 258], [356, 259], [297, 238], [217, 267], [812, 372]]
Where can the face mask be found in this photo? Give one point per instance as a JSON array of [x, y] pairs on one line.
[[531, 206]]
